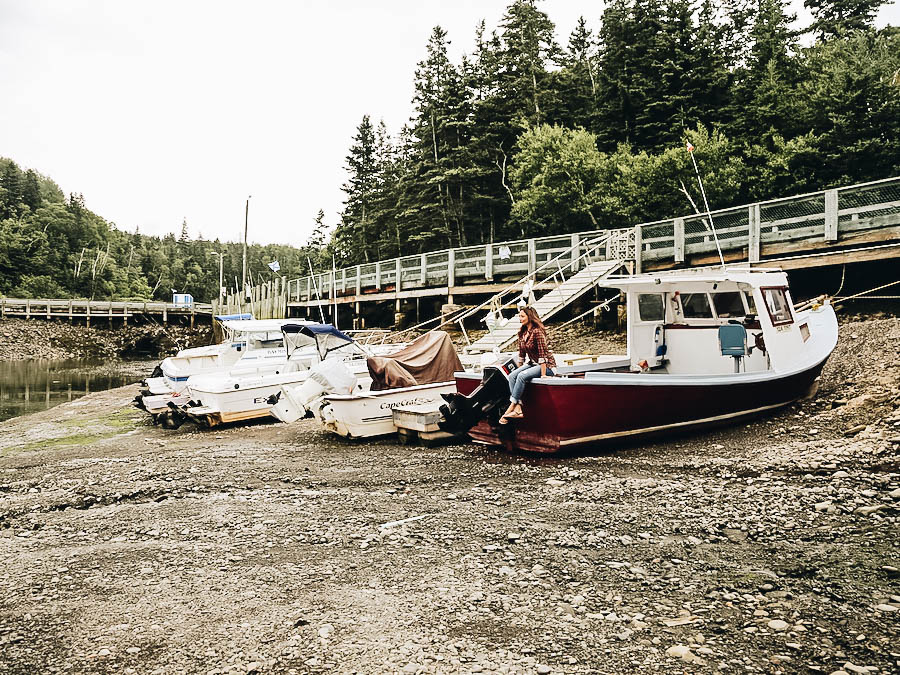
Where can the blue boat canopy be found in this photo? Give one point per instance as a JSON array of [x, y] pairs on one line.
[[326, 337]]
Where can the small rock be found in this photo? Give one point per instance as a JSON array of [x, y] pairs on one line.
[[682, 652], [325, 630], [852, 668], [543, 669], [778, 625], [555, 482], [886, 608], [133, 650], [840, 474]]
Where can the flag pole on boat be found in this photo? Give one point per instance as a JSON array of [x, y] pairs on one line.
[[690, 149], [312, 278], [334, 291]]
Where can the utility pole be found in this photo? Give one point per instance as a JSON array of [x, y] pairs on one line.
[[244, 276], [221, 255]]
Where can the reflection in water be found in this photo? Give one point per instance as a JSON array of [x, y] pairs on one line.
[[28, 386]]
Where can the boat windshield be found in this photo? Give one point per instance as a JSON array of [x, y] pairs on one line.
[[729, 305]]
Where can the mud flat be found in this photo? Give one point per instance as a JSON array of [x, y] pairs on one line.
[[769, 547]]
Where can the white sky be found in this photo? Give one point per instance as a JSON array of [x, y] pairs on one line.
[[158, 111]]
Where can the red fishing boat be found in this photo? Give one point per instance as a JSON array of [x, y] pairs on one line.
[[704, 347]]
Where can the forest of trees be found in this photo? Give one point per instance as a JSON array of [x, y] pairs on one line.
[[527, 137], [52, 246]]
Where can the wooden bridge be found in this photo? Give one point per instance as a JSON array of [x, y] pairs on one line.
[[106, 310], [843, 225]]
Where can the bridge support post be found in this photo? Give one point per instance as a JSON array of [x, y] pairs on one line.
[[489, 262], [451, 269], [398, 280], [679, 240], [576, 252], [423, 270], [28, 309], [532, 256], [638, 249], [831, 215], [165, 316], [87, 314], [378, 275], [753, 247]]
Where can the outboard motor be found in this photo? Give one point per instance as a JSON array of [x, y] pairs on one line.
[[461, 413]]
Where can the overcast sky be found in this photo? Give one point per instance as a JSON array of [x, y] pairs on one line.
[[171, 109]]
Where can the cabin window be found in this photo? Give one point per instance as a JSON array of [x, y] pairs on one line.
[[777, 304], [728, 305], [751, 304], [651, 307], [695, 306]]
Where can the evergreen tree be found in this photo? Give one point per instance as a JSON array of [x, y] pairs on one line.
[[833, 18], [10, 190], [528, 47], [355, 231], [31, 191], [576, 80]]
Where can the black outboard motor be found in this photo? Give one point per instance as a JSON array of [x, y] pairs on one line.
[[461, 413]]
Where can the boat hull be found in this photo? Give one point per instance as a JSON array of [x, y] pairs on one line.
[[372, 413], [567, 414]]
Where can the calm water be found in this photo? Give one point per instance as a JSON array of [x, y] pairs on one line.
[[29, 386]]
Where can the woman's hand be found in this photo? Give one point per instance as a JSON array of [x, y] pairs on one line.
[[543, 370]]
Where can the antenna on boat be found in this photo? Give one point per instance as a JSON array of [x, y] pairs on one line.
[[690, 149]]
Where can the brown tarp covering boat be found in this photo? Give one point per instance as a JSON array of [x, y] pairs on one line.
[[427, 359]]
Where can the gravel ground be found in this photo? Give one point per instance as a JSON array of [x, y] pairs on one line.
[[767, 547]]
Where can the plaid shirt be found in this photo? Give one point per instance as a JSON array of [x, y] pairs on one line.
[[533, 343]]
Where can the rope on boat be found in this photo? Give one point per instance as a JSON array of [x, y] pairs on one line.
[[871, 290], [603, 305]]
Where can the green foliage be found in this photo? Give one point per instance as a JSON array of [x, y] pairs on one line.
[[834, 18], [53, 246], [522, 137]]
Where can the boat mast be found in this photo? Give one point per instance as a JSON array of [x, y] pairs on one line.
[[690, 149]]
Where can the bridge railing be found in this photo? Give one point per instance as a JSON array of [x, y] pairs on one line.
[[828, 216]]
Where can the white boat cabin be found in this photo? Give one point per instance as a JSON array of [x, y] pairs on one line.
[[712, 322]]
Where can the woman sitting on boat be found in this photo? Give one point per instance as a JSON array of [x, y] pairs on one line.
[[533, 350]]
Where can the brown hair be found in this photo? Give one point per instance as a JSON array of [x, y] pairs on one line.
[[533, 320]]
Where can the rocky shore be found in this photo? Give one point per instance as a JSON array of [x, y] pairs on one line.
[[768, 547], [39, 339]]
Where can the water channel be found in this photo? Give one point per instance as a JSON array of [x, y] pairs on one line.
[[37, 384]]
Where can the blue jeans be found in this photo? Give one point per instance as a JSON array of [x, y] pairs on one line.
[[522, 376]]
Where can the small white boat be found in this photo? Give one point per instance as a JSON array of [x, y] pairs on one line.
[[250, 345], [244, 394], [415, 375]]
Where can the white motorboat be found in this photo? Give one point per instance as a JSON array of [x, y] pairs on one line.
[[244, 394], [415, 375], [250, 346]]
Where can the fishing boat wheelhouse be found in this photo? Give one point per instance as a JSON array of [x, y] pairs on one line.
[[704, 347]]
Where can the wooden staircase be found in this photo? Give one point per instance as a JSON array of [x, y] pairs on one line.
[[549, 303]]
